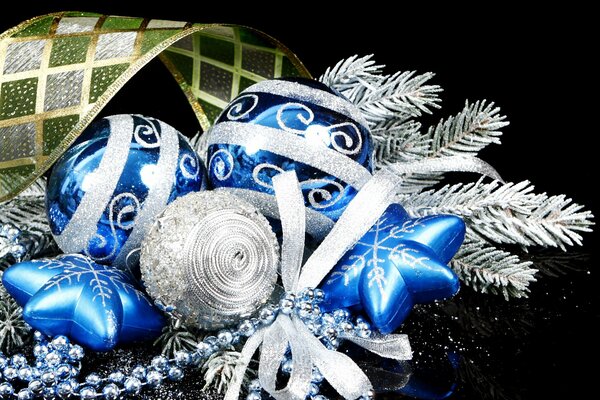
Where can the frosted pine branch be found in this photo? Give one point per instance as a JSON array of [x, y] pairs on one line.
[[467, 132], [507, 213], [354, 76], [490, 270], [382, 98], [399, 96], [219, 370], [396, 141]]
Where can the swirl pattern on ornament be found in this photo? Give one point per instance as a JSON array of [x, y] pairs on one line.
[[189, 166], [144, 133], [318, 197], [239, 109], [129, 211], [222, 164], [229, 261]]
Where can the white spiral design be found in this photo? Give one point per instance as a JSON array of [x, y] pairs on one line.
[[143, 132], [328, 198], [116, 221], [188, 160], [221, 164], [239, 109], [230, 263], [213, 256], [350, 147], [304, 119]]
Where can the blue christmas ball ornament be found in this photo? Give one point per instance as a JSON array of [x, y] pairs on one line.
[[301, 125], [401, 261], [105, 191]]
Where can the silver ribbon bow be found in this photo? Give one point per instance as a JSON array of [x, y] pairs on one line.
[[288, 330]]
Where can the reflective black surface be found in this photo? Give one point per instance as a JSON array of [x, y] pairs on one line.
[[533, 66]]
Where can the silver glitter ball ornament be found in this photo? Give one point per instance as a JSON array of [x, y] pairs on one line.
[[213, 257]]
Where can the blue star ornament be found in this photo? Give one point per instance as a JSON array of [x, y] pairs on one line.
[[95, 305], [399, 262]]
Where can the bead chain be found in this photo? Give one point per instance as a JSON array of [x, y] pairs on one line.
[[58, 361], [12, 235]]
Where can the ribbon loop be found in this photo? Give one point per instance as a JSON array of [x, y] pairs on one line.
[[291, 210], [288, 330]]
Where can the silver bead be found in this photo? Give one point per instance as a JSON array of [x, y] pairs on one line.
[[224, 338], [305, 309], [18, 360], [6, 390], [35, 386], [60, 342], [203, 349], [255, 385], [319, 295], [87, 393], [247, 328], [63, 371], [93, 379], [25, 374], [133, 385], [182, 358], [24, 394], [48, 378], [286, 306], [175, 374], [10, 373], [110, 392], [154, 378], [266, 315], [53, 359], [64, 389], [160, 363], [139, 372], [76, 352]]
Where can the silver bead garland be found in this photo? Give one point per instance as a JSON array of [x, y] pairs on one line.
[[212, 257]]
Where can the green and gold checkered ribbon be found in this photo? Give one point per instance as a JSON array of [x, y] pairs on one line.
[[58, 71]]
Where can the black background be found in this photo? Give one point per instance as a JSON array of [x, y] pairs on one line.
[[537, 65]]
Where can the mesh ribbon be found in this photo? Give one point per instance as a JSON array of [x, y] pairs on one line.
[[58, 71]]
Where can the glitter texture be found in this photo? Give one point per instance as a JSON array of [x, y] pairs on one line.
[[309, 94], [212, 256]]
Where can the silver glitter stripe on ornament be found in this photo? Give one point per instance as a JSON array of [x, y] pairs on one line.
[[158, 195], [317, 224], [292, 146], [308, 94], [212, 256], [82, 226]]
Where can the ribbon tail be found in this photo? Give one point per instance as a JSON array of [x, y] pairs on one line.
[[360, 215], [338, 369], [235, 385], [396, 347], [447, 164], [291, 211], [273, 349]]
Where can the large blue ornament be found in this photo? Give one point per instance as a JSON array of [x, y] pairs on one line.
[[301, 125], [398, 263], [105, 191], [95, 305]]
